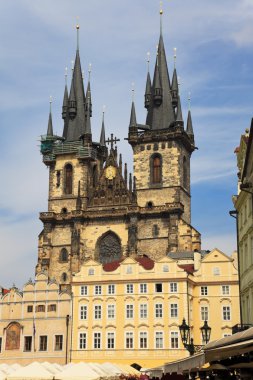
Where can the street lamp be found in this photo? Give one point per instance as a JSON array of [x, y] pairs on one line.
[[188, 341]]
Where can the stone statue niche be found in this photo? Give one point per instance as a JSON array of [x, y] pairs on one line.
[[108, 248]]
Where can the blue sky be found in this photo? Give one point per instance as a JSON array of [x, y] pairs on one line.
[[214, 43]]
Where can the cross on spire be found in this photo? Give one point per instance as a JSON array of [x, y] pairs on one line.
[[112, 141]]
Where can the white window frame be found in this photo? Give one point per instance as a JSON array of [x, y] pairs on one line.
[[204, 290], [111, 289], [129, 311], [100, 340], [143, 288], [54, 342], [79, 340], [224, 313], [98, 290], [176, 337], [129, 288], [174, 310], [225, 290], [173, 287], [165, 268], [112, 313], [145, 337], [216, 271], [97, 312], [143, 311], [83, 290], [162, 337], [83, 312], [107, 340], [158, 310], [131, 333]]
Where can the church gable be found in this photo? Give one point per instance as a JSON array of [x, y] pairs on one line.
[[112, 189]]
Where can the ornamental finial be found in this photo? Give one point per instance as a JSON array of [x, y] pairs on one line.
[[161, 17], [189, 101], [148, 60], [89, 70], [175, 56], [77, 33], [133, 91]]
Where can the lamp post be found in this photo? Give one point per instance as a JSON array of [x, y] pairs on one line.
[[188, 341]]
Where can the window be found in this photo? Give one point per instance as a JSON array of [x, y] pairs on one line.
[[111, 311], [129, 339], [58, 343], [63, 255], [216, 271], [155, 233], [98, 289], [143, 339], [97, 312], [165, 268], [225, 290], [64, 277], [174, 342], [204, 313], [43, 343], [129, 269], [111, 289], [97, 340], [91, 272], [84, 290], [203, 291], [158, 288], [82, 341], [68, 179], [40, 308], [129, 311], [27, 343], [0, 344], [174, 310], [110, 340], [156, 169], [226, 313], [83, 312], [143, 310], [129, 288], [158, 310], [29, 308], [51, 307], [143, 288], [226, 335], [159, 339], [173, 287]]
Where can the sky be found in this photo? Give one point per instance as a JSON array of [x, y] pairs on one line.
[[214, 41]]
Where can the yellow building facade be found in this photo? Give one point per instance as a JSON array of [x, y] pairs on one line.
[[130, 311], [35, 323], [243, 204]]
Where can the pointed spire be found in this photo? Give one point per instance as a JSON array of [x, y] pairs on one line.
[[102, 135], [125, 174], [89, 92], [87, 129], [120, 163], [65, 97], [189, 127], [148, 91], [160, 112], [130, 183], [50, 124], [79, 200], [179, 119], [76, 103]]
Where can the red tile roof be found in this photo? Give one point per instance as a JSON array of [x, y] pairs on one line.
[[110, 267], [144, 261], [189, 268]]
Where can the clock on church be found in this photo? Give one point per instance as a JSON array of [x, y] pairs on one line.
[[110, 172]]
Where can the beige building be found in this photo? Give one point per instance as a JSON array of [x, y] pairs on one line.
[[243, 205], [35, 323], [130, 311]]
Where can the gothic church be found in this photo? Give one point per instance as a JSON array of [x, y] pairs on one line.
[[96, 209]]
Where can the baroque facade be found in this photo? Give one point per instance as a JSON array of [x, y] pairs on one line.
[[95, 209], [130, 311], [243, 203]]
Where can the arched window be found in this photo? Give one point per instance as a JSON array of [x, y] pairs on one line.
[[64, 277], [109, 248], [184, 172], [156, 169], [63, 255], [68, 179]]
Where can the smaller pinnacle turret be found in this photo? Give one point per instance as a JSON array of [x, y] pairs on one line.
[[174, 89], [50, 123], [189, 127], [179, 119], [65, 98], [102, 135], [133, 122]]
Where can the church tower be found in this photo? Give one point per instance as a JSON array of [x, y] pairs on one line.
[[96, 209]]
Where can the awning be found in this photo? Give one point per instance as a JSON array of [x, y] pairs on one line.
[[223, 352], [179, 366]]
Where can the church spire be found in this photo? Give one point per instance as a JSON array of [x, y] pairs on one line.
[[179, 120], [160, 112], [89, 92], [133, 122], [76, 103], [50, 124], [65, 97], [148, 91], [189, 127], [102, 135], [174, 85]]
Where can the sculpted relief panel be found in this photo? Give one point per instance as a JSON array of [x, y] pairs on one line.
[[13, 332]]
